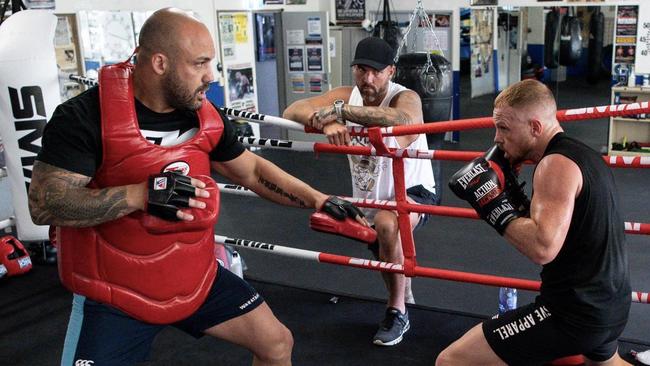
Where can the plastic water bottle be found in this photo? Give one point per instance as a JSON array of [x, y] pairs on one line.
[[507, 299], [236, 265]]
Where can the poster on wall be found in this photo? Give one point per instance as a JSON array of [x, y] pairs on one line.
[[441, 21], [241, 86], [350, 12], [626, 20], [313, 27], [241, 28], [624, 54], [298, 83], [295, 36], [226, 29], [642, 65], [296, 59], [314, 58], [482, 48], [625, 42], [265, 25], [316, 83]]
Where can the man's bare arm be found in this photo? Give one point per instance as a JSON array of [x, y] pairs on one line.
[[269, 181], [303, 110], [557, 183], [60, 197], [405, 109]]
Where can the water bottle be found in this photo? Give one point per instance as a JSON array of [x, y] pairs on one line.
[[631, 78], [507, 299], [236, 265]]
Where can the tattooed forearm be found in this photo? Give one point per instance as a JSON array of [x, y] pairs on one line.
[[324, 113], [274, 188], [376, 116], [59, 197]]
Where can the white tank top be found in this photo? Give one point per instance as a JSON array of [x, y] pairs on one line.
[[372, 176]]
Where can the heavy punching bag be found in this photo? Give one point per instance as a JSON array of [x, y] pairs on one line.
[[387, 29], [570, 41], [552, 39], [434, 85], [595, 56]]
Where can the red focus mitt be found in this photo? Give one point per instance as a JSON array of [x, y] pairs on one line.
[[348, 227]]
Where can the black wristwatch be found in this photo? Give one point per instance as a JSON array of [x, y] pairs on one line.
[[338, 107]]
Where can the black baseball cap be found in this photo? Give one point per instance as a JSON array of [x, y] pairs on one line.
[[374, 52]]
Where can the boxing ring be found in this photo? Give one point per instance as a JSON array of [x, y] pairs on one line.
[[375, 135], [403, 208], [401, 205], [410, 267]]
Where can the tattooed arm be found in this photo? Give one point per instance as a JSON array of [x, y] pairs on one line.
[[318, 110], [60, 197], [405, 108], [269, 181]]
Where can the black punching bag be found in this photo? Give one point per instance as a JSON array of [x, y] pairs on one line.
[[387, 29], [434, 85], [552, 39], [570, 41], [596, 30]]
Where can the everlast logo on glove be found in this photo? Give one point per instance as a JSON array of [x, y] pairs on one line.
[[467, 177], [500, 210], [481, 183]]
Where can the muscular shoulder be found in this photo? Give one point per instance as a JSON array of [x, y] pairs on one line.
[[406, 95], [409, 102], [556, 172], [341, 92]]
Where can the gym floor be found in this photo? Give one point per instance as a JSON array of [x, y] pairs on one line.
[[34, 308]]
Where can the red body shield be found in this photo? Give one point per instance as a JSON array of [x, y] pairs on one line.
[[154, 270]]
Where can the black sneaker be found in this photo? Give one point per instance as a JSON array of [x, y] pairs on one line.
[[392, 328]]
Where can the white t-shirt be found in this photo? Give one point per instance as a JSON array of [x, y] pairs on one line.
[[372, 176]]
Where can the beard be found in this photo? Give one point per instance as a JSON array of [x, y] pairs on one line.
[[179, 96], [370, 94]]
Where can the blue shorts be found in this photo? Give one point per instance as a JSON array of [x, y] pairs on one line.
[[107, 336], [531, 335], [420, 195]]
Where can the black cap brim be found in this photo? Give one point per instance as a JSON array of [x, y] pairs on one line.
[[374, 64]]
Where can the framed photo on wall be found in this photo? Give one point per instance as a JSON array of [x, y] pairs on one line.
[[350, 11]]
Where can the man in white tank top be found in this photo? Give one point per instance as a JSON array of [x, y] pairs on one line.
[[376, 101]]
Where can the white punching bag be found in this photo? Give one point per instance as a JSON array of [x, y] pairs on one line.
[[29, 92]]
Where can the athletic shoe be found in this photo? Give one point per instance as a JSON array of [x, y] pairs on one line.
[[392, 328]]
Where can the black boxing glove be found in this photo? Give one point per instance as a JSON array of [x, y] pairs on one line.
[[168, 192], [340, 209], [481, 183], [512, 185]]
